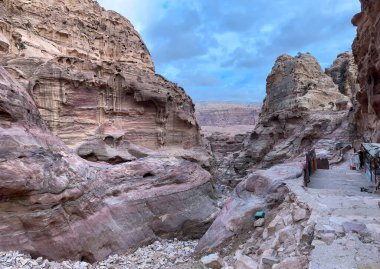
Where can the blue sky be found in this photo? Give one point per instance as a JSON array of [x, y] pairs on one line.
[[223, 50]]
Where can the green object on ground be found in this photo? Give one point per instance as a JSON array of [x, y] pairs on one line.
[[259, 215]]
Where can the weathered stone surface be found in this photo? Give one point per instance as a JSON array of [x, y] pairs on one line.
[[299, 214], [93, 78], [247, 198], [355, 227], [57, 205], [245, 262], [366, 49], [259, 222], [303, 108], [293, 263], [344, 73], [224, 148]]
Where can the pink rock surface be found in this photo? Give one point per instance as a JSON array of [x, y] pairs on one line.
[[57, 205], [366, 49], [258, 191]]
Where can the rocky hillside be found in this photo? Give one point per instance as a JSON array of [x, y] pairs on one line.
[[366, 49], [226, 114], [302, 106], [93, 79]]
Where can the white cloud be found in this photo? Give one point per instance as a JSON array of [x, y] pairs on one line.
[[220, 49]]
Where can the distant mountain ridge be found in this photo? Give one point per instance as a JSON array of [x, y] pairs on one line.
[[224, 114]]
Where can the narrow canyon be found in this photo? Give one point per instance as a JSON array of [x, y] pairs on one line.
[[106, 164]]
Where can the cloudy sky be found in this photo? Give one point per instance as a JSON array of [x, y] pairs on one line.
[[223, 50]]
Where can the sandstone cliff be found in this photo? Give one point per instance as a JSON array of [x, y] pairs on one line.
[[93, 79], [303, 108], [366, 49], [57, 205], [78, 80]]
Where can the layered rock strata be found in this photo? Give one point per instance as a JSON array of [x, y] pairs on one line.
[[366, 49], [92, 78], [227, 114], [303, 108], [56, 205]]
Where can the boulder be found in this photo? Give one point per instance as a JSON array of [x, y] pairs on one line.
[[299, 214], [268, 259], [245, 262], [299, 262], [355, 227]]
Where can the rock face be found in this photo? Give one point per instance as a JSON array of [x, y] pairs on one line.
[[344, 73], [258, 191], [282, 240], [227, 114], [57, 205], [93, 79], [366, 49], [303, 108], [225, 127]]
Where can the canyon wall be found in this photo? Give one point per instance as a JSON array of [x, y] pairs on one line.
[[93, 79], [366, 49], [303, 108], [57, 205], [225, 125], [78, 80]]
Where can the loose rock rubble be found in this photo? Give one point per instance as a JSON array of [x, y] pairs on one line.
[[160, 254]]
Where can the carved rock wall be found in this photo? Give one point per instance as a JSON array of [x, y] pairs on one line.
[[92, 77], [56, 205]]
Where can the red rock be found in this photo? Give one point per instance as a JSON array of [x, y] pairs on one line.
[[366, 49], [303, 108], [248, 197], [57, 205], [93, 79]]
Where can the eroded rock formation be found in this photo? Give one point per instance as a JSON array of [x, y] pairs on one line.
[[282, 239], [57, 205], [366, 49], [92, 78], [78, 80], [303, 108], [344, 73]]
